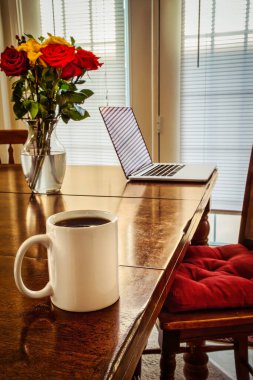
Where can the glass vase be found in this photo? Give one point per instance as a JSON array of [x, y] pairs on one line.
[[43, 157]]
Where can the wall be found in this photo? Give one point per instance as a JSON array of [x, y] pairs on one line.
[[6, 119], [140, 19], [31, 17], [170, 47], [16, 17], [155, 73]]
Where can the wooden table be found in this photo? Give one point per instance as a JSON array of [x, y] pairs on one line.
[[156, 223], [105, 181]]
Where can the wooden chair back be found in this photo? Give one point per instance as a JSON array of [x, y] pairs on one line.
[[11, 137], [246, 226]]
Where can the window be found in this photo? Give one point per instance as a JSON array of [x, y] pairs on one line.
[[217, 95], [99, 26]]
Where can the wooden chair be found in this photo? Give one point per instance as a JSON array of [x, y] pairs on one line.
[[194, 327], [11, 137]]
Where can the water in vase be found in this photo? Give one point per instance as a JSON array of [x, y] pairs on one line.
[[44, 174]]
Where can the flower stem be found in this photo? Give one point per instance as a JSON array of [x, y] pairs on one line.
[[40, 143], [39, 160]]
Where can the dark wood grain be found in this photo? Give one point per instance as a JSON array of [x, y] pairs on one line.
[[38, 338], [156, 223], [12, 137], [246, 226], [150, 230]]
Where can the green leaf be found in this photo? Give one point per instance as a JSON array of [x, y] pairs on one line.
[[80, 110], [18, 90], [34, 109], [43, 110], [80, 81], [65, 118], [67, 86], [70, 97], [72, 40], [72, 87], [43, 98], [49, 74], [75, 113], [19, 110], [29, 36], [41, 38], [87, 93], [76, 97], [63, 85], [27, 104], [60, 100], [18, 82]]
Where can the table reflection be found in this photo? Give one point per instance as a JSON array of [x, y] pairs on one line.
[[65, 339]]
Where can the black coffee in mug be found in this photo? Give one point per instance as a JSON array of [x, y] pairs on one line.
[[82, 260], [82, 221]]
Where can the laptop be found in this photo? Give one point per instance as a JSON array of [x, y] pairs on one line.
[[134, 156]]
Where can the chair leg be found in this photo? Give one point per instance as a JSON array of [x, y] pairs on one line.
[[196, 360], [170, 345], [137, 372], [241, 357]]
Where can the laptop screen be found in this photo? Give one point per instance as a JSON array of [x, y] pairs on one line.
[[127, 138]]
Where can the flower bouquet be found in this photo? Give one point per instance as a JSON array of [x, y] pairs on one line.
[[49, 71]]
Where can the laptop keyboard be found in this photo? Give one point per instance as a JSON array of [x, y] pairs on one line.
[[163, 170]]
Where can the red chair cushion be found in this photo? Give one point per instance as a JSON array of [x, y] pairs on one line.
[[213, 278]]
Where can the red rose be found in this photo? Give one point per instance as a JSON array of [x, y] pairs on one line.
[[87, 60], [57, 55], [71, 70], [14, 62]]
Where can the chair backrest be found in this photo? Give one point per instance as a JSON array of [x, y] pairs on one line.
[[11, 137], [246, 227]]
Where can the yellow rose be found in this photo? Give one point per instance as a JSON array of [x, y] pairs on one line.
[[32, 48], [32, 56], [55, 40]]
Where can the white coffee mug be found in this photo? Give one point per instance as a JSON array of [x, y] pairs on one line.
[[82, 260]]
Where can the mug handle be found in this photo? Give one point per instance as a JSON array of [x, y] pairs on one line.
[[47, 290]]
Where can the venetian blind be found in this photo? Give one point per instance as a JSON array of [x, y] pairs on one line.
[[99, 26], [216, 96]]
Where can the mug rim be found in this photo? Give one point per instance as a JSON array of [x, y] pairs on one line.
[[70, 214]]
